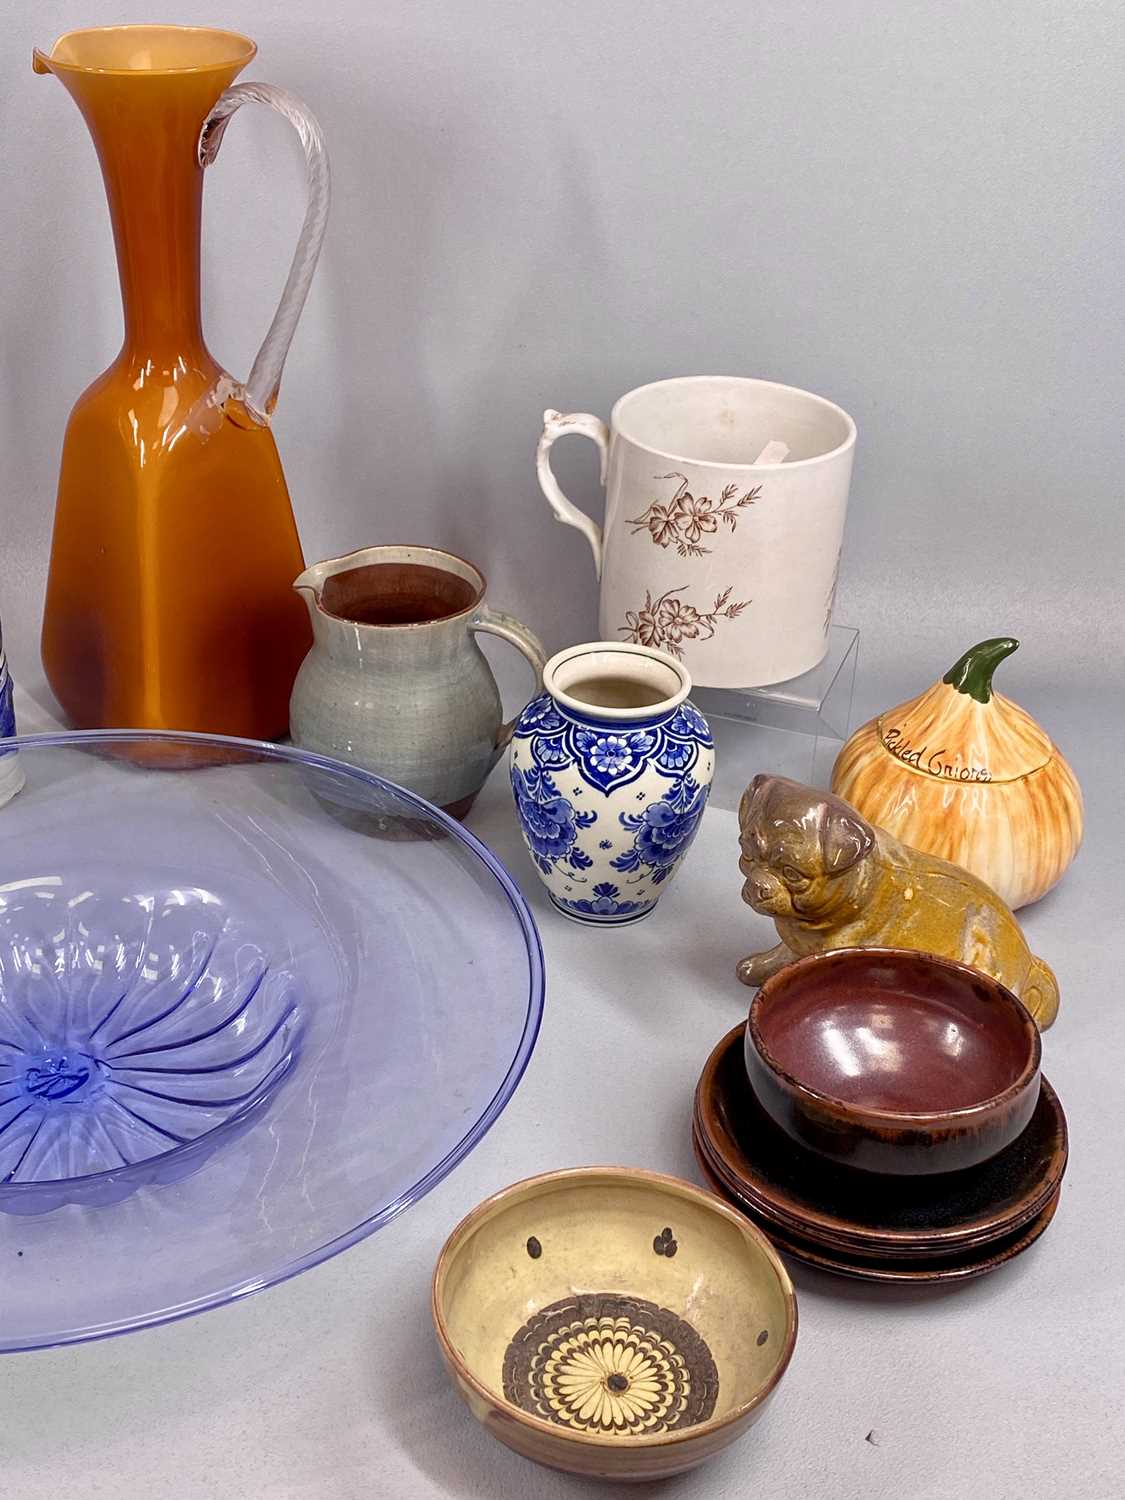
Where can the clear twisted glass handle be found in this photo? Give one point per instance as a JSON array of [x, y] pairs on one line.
[[259, 394]]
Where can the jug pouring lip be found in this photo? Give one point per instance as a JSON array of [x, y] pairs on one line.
[[231, 49], [310, 584]]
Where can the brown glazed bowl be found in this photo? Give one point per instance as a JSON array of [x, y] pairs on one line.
[[867, 1213], [893, 1061], [611, 1322]]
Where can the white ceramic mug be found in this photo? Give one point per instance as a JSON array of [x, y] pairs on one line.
[[724, 560]]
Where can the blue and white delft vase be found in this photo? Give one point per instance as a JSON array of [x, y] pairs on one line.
[[610, 768], [11, 772]]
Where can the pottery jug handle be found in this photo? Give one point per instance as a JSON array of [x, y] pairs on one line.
[[557, 424], [508, 628], [259, 394]]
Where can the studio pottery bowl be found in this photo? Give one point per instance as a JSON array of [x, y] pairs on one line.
[[893, 1061], [813, 1198], [612, 1322]]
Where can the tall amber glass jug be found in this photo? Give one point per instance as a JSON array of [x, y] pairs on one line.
[[169, 600]]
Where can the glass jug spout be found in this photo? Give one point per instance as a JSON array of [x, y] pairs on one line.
[[132, 81], [144, 92], [117, 51]]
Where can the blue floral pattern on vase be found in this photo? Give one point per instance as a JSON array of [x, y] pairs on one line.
[[604, 902], [609, 807], [615, 754], [550, 823], [664, 830]]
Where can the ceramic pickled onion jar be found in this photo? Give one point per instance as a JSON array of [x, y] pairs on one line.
[[610, 768]]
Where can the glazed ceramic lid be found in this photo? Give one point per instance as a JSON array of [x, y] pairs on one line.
[[974, 732]]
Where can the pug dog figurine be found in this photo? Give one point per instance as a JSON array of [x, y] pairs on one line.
[[831, 880]]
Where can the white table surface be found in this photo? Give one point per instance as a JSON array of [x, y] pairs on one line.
[[330, 1386]]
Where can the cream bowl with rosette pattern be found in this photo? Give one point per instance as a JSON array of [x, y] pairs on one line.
[[610, 766], [612, 1322]]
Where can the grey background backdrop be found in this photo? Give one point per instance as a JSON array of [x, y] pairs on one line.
[[908, 206], [911, 207]]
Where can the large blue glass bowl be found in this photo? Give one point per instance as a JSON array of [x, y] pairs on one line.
[[253, 1004]]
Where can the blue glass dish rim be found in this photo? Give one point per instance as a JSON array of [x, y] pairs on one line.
[[63, 739]]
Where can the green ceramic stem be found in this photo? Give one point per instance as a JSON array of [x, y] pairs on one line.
[[972, 673]]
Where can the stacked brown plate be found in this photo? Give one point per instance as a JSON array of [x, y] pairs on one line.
[[875, 1225]]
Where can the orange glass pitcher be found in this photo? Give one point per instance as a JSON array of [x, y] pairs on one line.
[[169, 600]]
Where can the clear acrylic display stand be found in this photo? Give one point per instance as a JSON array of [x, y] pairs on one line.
[[792, 728]]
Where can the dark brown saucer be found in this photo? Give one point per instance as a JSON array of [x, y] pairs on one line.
[[918, 1256], [964, 1267], [843, 1209]]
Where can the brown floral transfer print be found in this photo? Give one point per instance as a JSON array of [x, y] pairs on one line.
[[667, 622], [685, 519]]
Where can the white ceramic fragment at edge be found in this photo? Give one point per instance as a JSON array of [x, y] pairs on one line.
[[11, 771], [728, 563]]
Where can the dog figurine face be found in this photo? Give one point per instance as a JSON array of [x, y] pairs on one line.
[[797, 847]]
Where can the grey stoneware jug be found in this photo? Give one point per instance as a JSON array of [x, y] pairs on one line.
[[395, 681]]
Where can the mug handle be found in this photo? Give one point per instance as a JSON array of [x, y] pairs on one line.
[[259, 394], [508, 628], [557, 424]]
